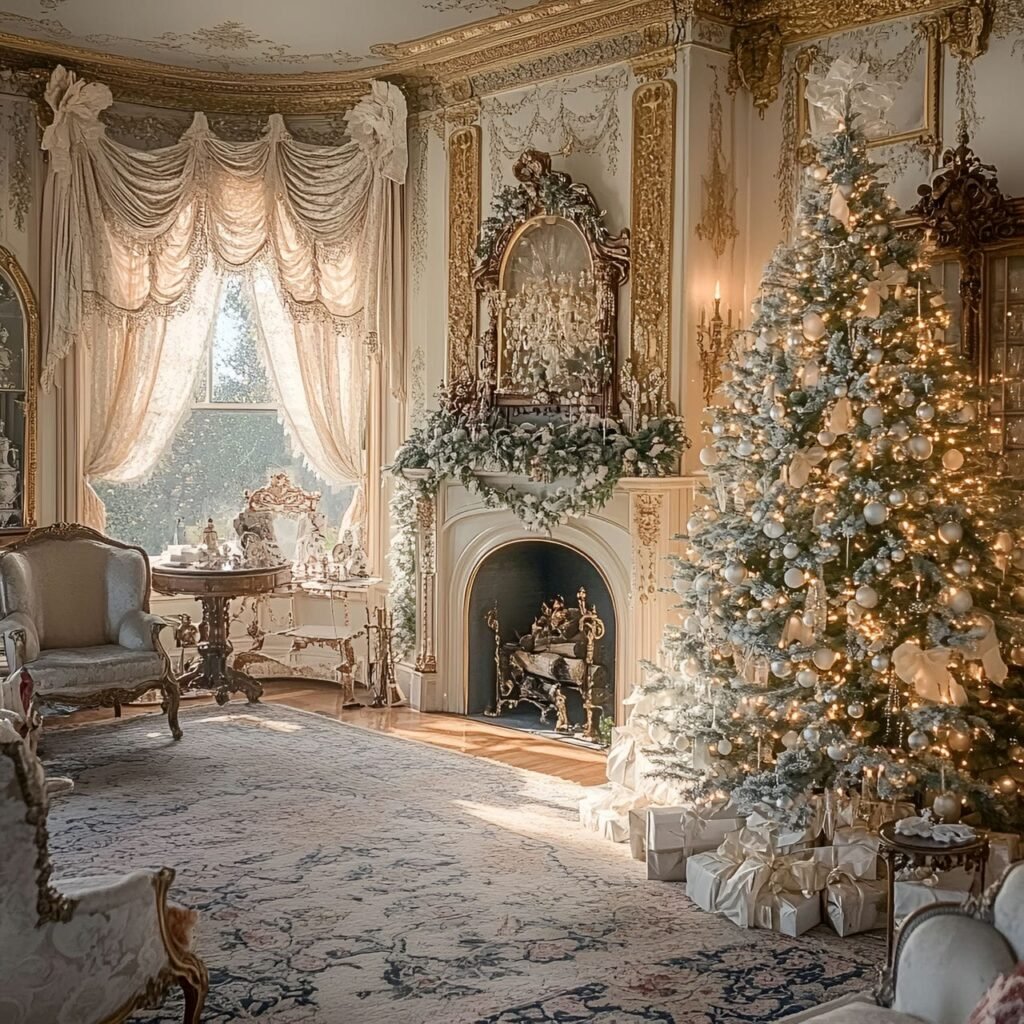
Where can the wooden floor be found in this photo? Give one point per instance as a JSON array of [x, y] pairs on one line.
[[453, 732]]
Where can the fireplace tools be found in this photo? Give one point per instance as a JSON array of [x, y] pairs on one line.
[[559, 652]]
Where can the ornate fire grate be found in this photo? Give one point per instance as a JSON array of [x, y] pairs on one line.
[[560, 652]]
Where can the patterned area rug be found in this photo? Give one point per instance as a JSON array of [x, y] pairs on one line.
[[348, 877]]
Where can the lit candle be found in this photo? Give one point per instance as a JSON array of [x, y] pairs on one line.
[[718, 290]]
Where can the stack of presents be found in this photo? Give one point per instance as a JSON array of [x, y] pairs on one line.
[[759, 874]]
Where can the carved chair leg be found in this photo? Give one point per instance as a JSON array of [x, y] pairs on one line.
[[117, 709], [195, 990], [172, 697]]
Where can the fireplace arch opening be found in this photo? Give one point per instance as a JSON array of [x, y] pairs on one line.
[[541, 640]]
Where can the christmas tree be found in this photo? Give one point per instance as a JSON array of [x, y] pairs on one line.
[[850, 598]]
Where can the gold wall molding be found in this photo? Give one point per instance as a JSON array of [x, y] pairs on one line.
[[966, 28], [646, 531], [463, 226], [652, 191], [756, 62], [513, 48], [717, 224]]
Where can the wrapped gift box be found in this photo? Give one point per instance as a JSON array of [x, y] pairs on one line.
[[622, 756], [638, 833], [676, 833], [605, 810], [875, 813], [786, 840], [856, 851], [789, 913], [705, 873], [949, 887], [855, 905]]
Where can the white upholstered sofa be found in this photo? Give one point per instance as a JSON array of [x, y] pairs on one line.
[[946, 958], [76, 615], [84, 950]]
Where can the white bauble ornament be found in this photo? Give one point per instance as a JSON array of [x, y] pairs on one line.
[[811, 735], [960, 601], [855, 710], [950, 533], [840, 390], [734, 573], [818, 172], [744, 447], [782, 669], [880, 662], [872, 415], [694, 524], [837, 467], [905, 399], [824, 658], [791, 550], [702, 583], [813, 327], [838, 751], [920, 447], [874, 356], [963, 566], [926, 412], [708, 457], [724, 747], [774, 529], [790, 739], [826, 437], [680, 586], [769, 452], [953, 459], [690, 667], [917, 740], [875, 513], [681, 743], [777, 412], [898, 554], [807, 678], [897, 498], [867, 597], [691, 624], [794, 577]]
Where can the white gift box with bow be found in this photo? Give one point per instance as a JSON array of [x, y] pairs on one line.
[[1004, 849], [605, 810], [948, 887], [854, 905], [856, 852], [622, 756], [785, 840], [675, 834]]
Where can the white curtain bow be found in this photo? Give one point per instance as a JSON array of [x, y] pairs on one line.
[[76, 106], [928, 672], [377, 124]]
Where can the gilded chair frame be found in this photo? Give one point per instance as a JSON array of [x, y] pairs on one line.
[[114, 696], [184, 968]]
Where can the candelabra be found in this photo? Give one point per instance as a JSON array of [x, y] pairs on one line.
[[712, 338]]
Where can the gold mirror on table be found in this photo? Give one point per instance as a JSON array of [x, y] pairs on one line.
[[19, 340], [549, 272]]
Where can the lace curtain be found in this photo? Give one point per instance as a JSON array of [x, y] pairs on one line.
[[141, 239]]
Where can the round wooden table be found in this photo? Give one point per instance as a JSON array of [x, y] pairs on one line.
[[214, 589], [899, 852]]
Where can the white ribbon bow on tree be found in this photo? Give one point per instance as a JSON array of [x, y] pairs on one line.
[[891, 276], [928, 672], [986, 650], [840, 420], [803, 462], [846, 90]]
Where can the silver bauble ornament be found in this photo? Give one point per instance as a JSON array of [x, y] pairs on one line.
[[926, 412], [744, 448], [961, 601], [824, 658], [950, 533], [880, 662], [874, 356], [875, 513], [807, 677], [855, 710], [917, 740], [811, 735], [883, 566], [782, 669], [905, 399], [962, 566], [813, 327], [708, 457], [826, 437], [790, 739], [920, 447], [838, 751], [867, 596], [897, 554], [734, 573], [773, 529], [872, 415], [794, 577], [724, 747], [897, 498], [791, 550]]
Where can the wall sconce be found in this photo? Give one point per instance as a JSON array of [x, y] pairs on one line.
[[712, 338]]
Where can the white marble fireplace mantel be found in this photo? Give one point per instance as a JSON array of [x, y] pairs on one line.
[[628, 541]]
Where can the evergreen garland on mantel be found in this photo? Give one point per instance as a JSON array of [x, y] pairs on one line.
[[470, 441]]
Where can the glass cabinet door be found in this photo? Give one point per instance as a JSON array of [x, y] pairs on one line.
[[1003, 357], [946, 276], [18, 341]]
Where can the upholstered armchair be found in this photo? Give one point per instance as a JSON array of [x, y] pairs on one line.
[[84, 950], [76, 607]]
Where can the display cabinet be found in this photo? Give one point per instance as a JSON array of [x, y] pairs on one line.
[[19, 344]]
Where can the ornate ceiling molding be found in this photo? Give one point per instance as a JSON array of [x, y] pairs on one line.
[[535, 41]]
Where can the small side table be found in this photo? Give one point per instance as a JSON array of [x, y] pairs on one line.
[[900, 852], [214, 589]]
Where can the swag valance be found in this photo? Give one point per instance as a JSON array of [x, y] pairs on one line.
[[142, 238]]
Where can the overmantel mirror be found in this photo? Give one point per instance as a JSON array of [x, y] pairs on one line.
[[975, 239], [19, 341], [548, 272]]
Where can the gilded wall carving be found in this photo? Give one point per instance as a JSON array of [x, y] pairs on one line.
[[717, 224], [15, 161], [419, 142], [464, 223], [653, 183], [756, 63], [646, 535], [544, 118]]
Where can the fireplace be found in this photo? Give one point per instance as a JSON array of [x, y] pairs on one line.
[[541, 634], [468, 555]]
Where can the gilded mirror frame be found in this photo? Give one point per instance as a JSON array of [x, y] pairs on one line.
[[11, 269], [546, 196]]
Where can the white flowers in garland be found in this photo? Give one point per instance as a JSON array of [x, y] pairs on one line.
[[591, 454], [402, 561]]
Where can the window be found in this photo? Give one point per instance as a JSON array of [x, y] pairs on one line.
[[231, 442]]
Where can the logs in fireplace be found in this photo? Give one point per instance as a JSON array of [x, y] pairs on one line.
[[561, 651]]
